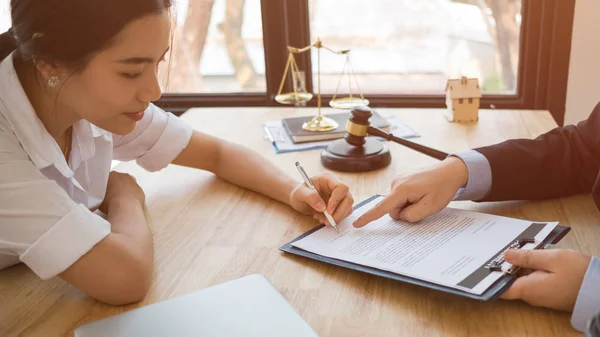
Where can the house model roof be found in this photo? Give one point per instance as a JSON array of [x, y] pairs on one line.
[[463, 88]]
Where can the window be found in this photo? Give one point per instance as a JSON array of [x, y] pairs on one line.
[[470, 101], [4, 16], [402, 51], [218, 47], [413, 47]]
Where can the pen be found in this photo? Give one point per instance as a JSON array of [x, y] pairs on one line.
[[312, 187]]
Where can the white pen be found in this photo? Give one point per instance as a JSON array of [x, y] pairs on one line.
[[312, 187]]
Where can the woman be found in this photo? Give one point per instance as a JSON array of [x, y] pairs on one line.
[[562, 162], [78, 79]]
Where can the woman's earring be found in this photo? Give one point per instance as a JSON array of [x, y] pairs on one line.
[[53, 81]]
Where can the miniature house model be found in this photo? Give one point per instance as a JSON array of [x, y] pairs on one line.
[[462, 99]]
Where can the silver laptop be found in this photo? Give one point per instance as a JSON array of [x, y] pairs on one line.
[[248, 307]]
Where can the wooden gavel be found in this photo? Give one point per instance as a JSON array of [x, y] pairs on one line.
[[357, 153]]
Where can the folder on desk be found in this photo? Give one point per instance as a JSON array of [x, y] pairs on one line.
[[455, 251], [246, 307]]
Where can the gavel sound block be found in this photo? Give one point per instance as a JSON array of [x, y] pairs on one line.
[[357, 153]]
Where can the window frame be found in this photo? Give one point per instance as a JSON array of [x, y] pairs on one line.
[[544, 53]]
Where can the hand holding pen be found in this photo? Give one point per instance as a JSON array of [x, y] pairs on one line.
[[324, 196]]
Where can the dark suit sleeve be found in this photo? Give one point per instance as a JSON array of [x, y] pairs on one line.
[[562, 162]]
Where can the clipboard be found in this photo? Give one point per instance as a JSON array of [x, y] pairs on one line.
[[492, 293]]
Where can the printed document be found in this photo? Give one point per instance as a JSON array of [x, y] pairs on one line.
[[453, 248]]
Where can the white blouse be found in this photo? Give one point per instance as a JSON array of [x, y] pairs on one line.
[[46, 204]]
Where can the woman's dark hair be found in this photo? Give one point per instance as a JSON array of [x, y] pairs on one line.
[[70, 31]]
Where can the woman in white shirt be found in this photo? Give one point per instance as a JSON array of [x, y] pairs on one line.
[[77, 81]]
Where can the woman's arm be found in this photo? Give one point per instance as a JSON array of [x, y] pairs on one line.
[[248, 169], [237, 165], [118, 270]]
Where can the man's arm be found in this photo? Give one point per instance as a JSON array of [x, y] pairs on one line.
[[562, 162]]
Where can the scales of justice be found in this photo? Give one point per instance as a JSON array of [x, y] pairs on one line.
[[319, 123], [355, 152]]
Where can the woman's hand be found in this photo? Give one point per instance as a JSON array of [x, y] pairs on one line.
[[331, 195], [121, 186]]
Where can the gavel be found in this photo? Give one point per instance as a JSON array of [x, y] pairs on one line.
[[357, 153]]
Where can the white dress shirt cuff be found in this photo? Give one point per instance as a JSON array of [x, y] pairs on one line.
[[173, 140], [480, 176], [65, 242], [588, 300]]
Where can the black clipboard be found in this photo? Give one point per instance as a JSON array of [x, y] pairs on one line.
[[493, 292]]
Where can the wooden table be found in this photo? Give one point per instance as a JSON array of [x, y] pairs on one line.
[[208, 232]]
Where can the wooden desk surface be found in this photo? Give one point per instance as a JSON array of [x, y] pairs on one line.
[[208, 232]]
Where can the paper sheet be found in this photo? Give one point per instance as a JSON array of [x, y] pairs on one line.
[[451, 248]]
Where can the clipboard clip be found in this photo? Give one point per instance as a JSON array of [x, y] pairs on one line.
[[498, 261]]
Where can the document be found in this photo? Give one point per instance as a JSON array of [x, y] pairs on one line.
[[453, 248]]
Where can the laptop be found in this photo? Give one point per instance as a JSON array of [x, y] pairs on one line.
[[249, 306]]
